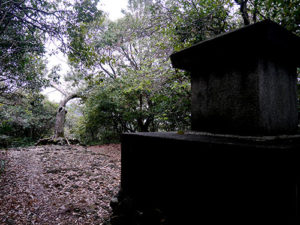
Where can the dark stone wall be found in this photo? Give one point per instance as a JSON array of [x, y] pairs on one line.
[[225, 98], [277, 97], [189, 179], [250, 96]]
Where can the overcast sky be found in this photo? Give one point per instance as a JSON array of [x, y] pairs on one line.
[[113, 8]]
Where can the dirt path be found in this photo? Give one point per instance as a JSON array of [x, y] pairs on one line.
[[59, 185]]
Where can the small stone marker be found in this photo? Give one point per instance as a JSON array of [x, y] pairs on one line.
[[245, 81]]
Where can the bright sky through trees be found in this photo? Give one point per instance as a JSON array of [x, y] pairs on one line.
[[113, 9]]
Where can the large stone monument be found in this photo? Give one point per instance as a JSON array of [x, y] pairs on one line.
[[240, 164], [244, 82]]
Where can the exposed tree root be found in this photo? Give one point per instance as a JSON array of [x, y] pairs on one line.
[[57, 141]]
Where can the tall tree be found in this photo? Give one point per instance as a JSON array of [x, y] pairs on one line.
[[132, 86], [26, 25], [61, 116], [132, 78]]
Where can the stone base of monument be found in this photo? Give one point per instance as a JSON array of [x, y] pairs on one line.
[[202, 178]]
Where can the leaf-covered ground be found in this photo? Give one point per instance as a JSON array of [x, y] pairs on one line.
[[58, 184]]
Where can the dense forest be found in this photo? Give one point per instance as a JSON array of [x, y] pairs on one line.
[[121, 78]]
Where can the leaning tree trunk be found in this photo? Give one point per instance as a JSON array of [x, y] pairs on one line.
[[61, 116]]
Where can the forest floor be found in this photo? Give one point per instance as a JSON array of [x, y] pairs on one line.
[[59, 185]]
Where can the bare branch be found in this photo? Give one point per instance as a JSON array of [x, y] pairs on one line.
[[59, 89], [106, 71]]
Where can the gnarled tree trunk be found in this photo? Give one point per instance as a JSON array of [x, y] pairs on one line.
[[61, 116]]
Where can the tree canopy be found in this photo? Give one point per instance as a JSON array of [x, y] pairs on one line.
[[26, 27]]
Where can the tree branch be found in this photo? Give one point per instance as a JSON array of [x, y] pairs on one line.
[[244, 10], [68, 98], [59, 89], [106, 71]]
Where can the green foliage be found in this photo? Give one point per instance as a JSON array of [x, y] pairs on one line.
[[73, 117], [284, 12], [23, 123], [123, 67], [134, 87], [23, 29], [79, 29], [131, 85], [188, 22], [128, 105]]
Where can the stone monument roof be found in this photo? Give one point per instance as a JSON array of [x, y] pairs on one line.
[[263, 38]]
